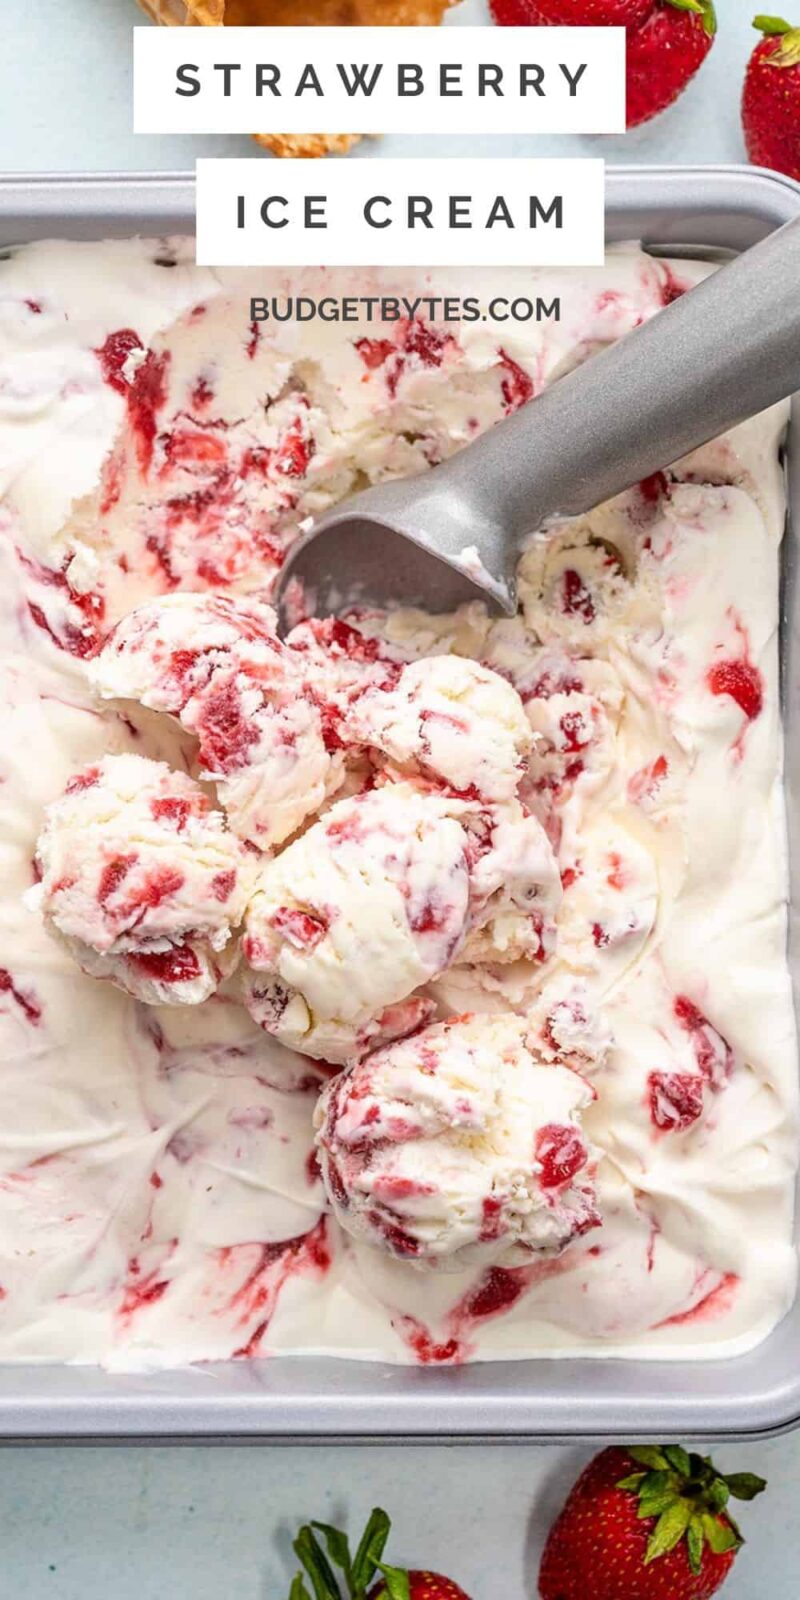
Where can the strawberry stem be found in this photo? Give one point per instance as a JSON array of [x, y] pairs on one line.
[[396, 1580], [773, 27], [368, 1555], [314, 1562], [685, 1498], [700, 8], [787, 53], [358, 1571]]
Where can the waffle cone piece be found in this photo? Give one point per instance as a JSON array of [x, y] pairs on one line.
[[301, 13]]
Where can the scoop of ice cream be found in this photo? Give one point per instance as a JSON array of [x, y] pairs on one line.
[[217, 665], [355, 915], [459, 1147], [378, 897], [142, 880], [450, 720], [572, 584]]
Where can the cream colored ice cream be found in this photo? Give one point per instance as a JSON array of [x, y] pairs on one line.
[[377, 899], [159, 1196], [459, 1148], [216, 663], [142, 880], [449, 721]]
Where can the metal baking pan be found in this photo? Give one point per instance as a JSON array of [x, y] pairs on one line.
[[698, 210]]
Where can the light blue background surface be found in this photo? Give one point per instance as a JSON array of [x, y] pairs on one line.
[[215, 1523], [151, 1523], [65, 99]]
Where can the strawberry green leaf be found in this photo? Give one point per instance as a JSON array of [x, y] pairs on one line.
[[700, 8], [656, 1508], [721, 1535], [397, 1584], [654, 1482], [655, 1504], [370, 1550], [649, 1455], [337, 1546], [718, 1494], [632, 1482], [745, 1485], [678, 1458], [695, 1540], [298, 1590], [668, 1531], [315, 1563], [787, 53], [771, 26]]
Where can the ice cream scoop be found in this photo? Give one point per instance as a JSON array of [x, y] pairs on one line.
[[459, 1147], [449, 721], [717, 355], [379, 897], [214, 662], [142, 880]]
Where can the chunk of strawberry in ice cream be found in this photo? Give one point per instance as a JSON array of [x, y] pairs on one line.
[[459, 1147], [573, 585], [142, 880], [217, 664], [380, 896]]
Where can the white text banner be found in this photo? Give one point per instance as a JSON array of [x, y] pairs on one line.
[[404, 212], [379, 80]]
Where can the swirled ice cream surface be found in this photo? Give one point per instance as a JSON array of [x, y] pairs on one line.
[[161, 1197]]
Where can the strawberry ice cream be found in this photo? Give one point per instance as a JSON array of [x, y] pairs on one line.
[[459, 1148], [381, 895], [450, 721], [567, 825], [217, 664], [142, 880]]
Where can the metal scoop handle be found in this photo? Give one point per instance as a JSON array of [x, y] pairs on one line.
[[719, 354]]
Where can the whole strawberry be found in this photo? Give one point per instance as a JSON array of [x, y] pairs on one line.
[[645, 1523], [771, 98], [365, 1575], [667, 40]]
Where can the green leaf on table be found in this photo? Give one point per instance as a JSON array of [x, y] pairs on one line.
[[337, 1545], [313, 1560], [370, 1550]]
